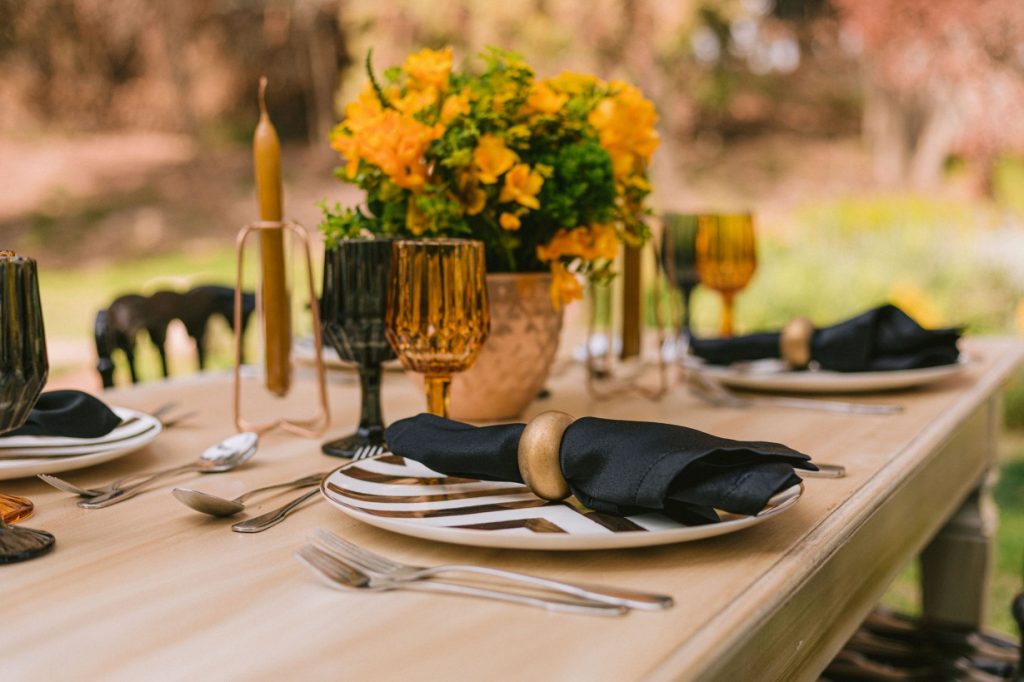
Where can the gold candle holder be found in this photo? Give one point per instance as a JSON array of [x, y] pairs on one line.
[[316, 425]]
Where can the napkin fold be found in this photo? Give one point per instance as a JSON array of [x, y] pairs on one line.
[[617, 467], [882, 339], [68, 414]]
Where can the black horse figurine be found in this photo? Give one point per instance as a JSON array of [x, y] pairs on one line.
[[117, 327]]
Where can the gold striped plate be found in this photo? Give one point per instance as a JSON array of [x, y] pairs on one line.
[[405, 497]]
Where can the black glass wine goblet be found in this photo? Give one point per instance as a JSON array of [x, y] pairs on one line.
[[23, 371], [678, 257], [352, 312]]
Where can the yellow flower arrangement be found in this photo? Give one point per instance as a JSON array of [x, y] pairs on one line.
[[548, 173]]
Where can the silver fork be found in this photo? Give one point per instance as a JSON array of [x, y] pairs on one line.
[[341, 574], [258, 524], [69, 487], [377, 565]]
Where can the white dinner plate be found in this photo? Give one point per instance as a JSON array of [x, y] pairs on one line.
[[405, 497], [139, 429], [133, 424], [773, 375]]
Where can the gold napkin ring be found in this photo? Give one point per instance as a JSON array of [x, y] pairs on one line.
[[795, 342], [538, 452]]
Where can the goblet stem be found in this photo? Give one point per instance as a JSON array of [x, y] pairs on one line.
[[437, 394], [727, 306], [370, 415]]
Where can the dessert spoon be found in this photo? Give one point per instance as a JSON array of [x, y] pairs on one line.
[[224, 456], [215, 505]]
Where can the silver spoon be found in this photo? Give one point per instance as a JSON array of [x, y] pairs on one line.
[[258, 524], [220, 506], [224, 456]]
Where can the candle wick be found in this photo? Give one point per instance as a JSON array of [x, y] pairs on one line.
[[263, 96]]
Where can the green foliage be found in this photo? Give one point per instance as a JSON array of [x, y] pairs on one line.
[[581, 187], [342, 223]]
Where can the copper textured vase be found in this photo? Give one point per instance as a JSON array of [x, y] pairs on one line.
[[514, 362]]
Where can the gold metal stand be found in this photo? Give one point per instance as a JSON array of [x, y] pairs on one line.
[[316, 425]]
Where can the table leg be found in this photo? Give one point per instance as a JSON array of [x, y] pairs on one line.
[[956, 564]]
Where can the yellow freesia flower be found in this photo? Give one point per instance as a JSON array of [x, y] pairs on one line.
[[602, 243], [544, 100], [509, 221], [522, 186], [454, 106], [415, 100], [573, 83], [394, 143], [492, 158], [626, 125], [472, 196], [565, 288], [430, 67], [597, 242]]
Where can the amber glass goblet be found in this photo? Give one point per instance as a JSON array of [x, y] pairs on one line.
[[438, 317], [726, 256]]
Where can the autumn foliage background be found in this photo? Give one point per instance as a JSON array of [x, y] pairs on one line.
[[880, 144]]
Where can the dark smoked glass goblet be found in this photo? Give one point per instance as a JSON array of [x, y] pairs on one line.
[[23, 371], [353, 308]]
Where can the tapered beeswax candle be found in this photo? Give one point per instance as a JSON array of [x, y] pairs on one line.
[[277, 324]]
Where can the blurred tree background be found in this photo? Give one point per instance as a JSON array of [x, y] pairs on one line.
[[880, 144]]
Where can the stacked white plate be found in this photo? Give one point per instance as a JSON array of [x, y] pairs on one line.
[[774, 375], [30, 455]]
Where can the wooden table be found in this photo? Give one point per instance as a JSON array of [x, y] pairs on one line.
[[150, 590]]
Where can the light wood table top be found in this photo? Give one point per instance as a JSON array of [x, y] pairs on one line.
[[150, 590]]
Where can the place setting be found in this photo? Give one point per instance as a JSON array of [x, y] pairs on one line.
[[880, 351]]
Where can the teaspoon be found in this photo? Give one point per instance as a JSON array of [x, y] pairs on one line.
[[224, 456], [215, 505]]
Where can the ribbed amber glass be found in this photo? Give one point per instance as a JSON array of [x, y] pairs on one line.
[[438, 317], [726, 257], [14, 509]]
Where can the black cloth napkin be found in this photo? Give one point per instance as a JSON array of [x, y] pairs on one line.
[[70, 414], [617, 467], [881, 339]]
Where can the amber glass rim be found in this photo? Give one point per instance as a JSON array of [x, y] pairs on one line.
[[438, 242], [17, 259]]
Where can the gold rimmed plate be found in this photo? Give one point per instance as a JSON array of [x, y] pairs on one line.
[[405, 497]]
